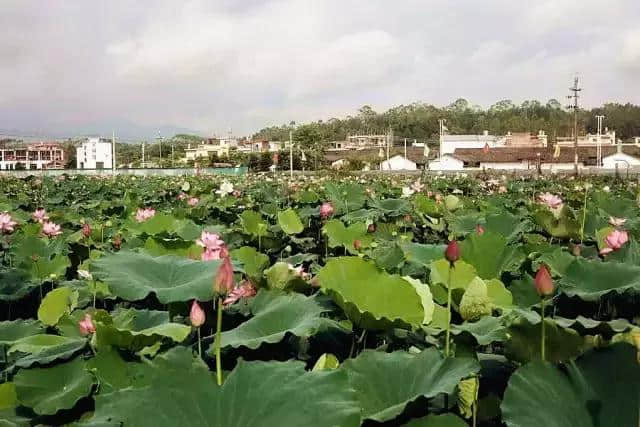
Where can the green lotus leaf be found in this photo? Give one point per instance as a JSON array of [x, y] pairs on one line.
[[468, 396], [499, 295], [15, 285], [14, 330], [422, 254], [44, 349], [132, 276], [326, 361], [600, 389], [157, 247], [276, 314], [452, 203], [134, 329], [586, 326], [444, 420], [462, 224], [281, 276], [8, 404], [427, 206], [485, 331], [562, 226], [557, 260], [8, 396], [252, 261], [457, 277], [48, 390], [56, 303], [589, 280], [114, 373], [386, 382], [253, 224], [490, 254], [369, 296], [290, 222], [509, 225], [277, 392], [346, 197], [339, 235], [391, 207]]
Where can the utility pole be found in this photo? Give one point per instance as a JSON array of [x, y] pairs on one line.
[[599, 150], [113, 152], [405, 148], [389, 142], [291, 153], [159, 138], [575, 89], [172, 155], [142, 154]]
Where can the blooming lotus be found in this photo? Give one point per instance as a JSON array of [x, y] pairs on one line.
[[40, 215], [182, 196], [6, 223], [614, 241], [244, 290], [551, 200], [326, 210], [196, 315], [51, 229], [193, 201], [86, 325], [225, 188], [617, 222], [223, 282], [407, 191], [417, 186], [144, 214]]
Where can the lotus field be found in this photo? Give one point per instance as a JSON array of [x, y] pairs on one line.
[[319, 301]]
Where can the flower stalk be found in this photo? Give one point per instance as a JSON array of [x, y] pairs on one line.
[[218, 343]]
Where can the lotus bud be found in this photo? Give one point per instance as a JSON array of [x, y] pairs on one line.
[[544, 282], [86, 230], [371, 228], [196, 315], [479, 229], [223, 282], [357, 244], [452, 253]]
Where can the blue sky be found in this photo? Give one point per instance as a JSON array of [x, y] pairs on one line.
[[215, 65]]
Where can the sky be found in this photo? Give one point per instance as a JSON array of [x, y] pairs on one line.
[[211, 66]]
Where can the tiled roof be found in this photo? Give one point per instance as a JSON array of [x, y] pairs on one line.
[[415, 154]]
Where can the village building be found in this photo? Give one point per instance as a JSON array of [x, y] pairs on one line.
[[94, 153], [43, 155]]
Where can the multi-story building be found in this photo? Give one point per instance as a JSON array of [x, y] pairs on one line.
[[43, 155], [590, 140], [94, 153]]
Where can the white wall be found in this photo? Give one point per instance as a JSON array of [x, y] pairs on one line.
[[623, 160], [92, 152], [447, 163], [397, 163], [505, 165]]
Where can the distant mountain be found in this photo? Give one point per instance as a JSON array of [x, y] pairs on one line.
[[125, 130]]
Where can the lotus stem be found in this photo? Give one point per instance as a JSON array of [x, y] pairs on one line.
[[584, 215], [448, 334], [218, 333], [199, 344], [542, 343]]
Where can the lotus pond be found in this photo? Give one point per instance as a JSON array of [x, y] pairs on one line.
[[319, 301]]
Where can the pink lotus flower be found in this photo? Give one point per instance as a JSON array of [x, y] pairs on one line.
[[614, 241], [617, 222], [502, 189], [6, 223], [236, 193], [86, 325], [479, 229], [210, 255], [182, 196], [244, 290], [326, 210], [223, 282], [51, 229], [196, 315], [543, 282], [210, 241], [144, 214], [551, 200], [193, 201], [40, 215], [417, 186]]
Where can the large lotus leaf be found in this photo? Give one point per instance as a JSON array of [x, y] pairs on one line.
[[48, 390], [499, 295], [11, 331], [132, 276], [290, 222], [346, 197], [509, 225], [282, 276], [280, 393], [491, 254], [444, 420], [15, 285], [159, 223], [586, 326], [485, 331], [387, 382], [463, 224], [427, 206], [558, 261], [525, 336], [134, 329], [388, 256], [422, 254], [600, 389], [56, 303], [253, 261], [8, 396], [157, 246], [563, 226], [391, 207], [589, 280], [276, 314], [44, 349], [457, 277], [253, 223], [114, 373], [8, 404], [524, 292], [369, 296], [339, 235]]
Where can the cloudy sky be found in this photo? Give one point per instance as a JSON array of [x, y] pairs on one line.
[[211, 65]]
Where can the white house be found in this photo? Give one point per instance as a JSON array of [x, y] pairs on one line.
[[621, 159], [446, 163], [397, 163], [449, 143], [94, 153]]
